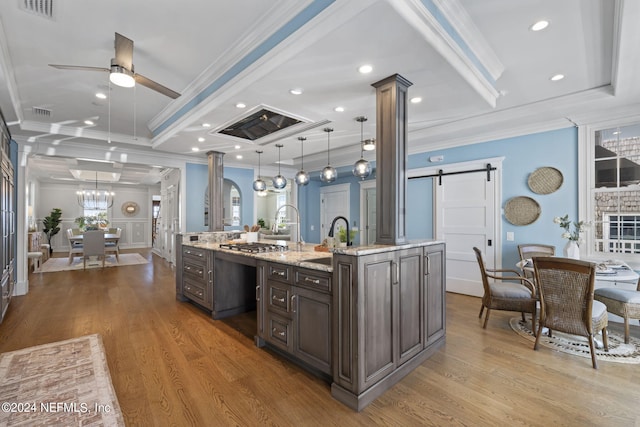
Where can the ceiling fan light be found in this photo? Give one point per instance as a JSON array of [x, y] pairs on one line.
[[120, 76], [369, 145]]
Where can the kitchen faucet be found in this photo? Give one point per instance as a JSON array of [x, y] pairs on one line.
[[333, 223], [299, 240]]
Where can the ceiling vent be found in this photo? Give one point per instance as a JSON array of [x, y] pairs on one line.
[[43, 8], [40, 112], [259, 124]]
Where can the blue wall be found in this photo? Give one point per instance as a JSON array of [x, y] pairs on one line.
[[197, 181], [522, 155]]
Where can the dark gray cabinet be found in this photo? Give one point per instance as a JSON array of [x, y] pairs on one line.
[[388, 318], [197, 275], [294, 309]]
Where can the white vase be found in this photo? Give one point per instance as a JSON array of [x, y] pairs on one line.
[[571, 250]]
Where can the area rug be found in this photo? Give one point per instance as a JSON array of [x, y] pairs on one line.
[[65, 383], [579, 346], [62, 264]]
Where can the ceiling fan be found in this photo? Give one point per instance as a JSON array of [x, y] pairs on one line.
[[121, 72]]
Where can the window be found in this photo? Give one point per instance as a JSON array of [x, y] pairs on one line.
[[615, 190]]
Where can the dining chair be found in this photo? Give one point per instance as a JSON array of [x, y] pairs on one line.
[[511, 292], [622, 302], [565, 287], [529, 250], [74, 247], [114, 247], [93, 245]]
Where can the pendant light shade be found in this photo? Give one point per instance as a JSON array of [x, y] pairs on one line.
[[279, 181], [329, 173], [369, 145], [259, 185], [361, 168], [302, 177]]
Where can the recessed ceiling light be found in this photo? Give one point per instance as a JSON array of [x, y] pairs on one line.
[[365, 69], [101, 95], [206, 125], [295, 91], [339, 109], [557, 77], [201, 139], [616, 132], [241, 105], [89, 122], [237, 147], [540, 25], [239, 157], [195, 149], [416, 100]]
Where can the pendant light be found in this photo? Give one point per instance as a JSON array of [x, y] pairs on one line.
[[361, 168], [369, 144], [95, 199], [279, 181], [302, 177], [329, 173], [259, 185]]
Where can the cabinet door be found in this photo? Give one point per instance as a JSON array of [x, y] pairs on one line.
[[278, 298], [410, 310], [312, 328], [260, 307], [279, 331], [378, 331], [435, 300]]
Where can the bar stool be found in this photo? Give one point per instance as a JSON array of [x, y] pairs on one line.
[[37, 258]]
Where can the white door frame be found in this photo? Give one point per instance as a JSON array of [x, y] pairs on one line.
[[333, 189], [497, 179], [364, 186]]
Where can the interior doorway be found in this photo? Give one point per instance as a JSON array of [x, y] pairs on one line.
[[334, 201], [368, 212]]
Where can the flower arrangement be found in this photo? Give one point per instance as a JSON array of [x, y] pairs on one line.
[[571, 235]]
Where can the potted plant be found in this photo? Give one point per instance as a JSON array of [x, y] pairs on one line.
[[262, 223], [92, 222], [342, 234], [50, 225]]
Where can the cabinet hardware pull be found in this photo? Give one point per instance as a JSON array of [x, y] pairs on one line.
[[258, 293], [427, 265], [275, 331], [314, 281], [395, 273], [293, 307], [278, 273], [277, 299]]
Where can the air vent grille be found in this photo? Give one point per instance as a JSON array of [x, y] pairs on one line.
[[41, 112], [259, 124], [42, 8]]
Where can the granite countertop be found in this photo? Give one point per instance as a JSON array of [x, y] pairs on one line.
[[305, 256]]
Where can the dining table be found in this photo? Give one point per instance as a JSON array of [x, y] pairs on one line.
[[108, 238]]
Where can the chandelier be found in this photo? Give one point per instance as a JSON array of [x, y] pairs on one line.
[[95, 199]]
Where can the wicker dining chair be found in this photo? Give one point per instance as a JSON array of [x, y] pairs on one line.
[[507, 291], [529, 250], [565, 287], [622, 302]]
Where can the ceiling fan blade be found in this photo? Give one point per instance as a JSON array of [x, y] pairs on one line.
[[124, 52], [156, 86], [78, 67]]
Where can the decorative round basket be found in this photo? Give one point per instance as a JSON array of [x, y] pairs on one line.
[[521, 210], [545, 180]]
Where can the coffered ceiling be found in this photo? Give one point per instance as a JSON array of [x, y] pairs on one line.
[[479, 69]]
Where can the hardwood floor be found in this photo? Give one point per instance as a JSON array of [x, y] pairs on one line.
[[171, 364]]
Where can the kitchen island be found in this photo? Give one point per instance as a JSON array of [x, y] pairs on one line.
[[362, 317]]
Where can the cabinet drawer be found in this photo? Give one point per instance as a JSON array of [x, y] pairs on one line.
[[195, 253], [196, 270], [279, 297], [280, 272], [279, 331], [313, 280], [197, 292]]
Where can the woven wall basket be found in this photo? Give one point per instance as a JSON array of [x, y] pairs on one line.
[[545, 180], [521, 210]]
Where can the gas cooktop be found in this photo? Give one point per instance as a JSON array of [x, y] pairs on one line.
[[254, 247]]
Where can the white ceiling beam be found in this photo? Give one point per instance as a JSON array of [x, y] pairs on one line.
[[626, 55]]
